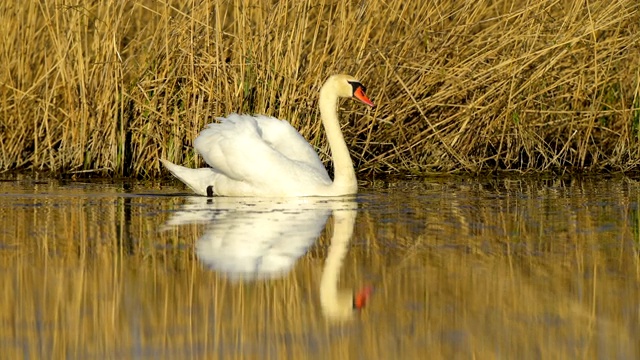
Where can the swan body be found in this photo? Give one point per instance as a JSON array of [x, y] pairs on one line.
[[257, 155]]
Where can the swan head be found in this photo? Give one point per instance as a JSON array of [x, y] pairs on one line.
[[347, 86]]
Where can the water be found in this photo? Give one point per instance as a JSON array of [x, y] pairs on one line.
[[460, 268]]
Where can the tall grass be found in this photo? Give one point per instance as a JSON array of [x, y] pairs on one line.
[[110, 87]]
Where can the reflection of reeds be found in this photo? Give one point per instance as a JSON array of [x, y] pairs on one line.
[[110, 87], [496, 269]]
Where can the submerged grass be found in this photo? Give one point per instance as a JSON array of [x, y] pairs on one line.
[[110, 87]]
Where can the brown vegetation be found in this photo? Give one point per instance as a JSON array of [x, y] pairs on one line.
[[110, 87]]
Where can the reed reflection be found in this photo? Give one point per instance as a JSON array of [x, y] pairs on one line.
[[249, 239]]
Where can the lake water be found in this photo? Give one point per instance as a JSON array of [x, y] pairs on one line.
[[460, 269]]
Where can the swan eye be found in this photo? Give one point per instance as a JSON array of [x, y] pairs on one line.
[[355, 85]]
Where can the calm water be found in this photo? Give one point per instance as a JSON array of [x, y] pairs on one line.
[[460, 269]]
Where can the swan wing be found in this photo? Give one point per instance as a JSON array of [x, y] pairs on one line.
[[280, 135], [262, 153]]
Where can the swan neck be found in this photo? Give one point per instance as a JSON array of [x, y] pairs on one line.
[[344, 181]]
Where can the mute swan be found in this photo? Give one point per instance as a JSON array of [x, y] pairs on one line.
[[264, 156]]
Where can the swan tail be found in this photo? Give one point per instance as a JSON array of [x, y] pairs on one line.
[[201, 181]]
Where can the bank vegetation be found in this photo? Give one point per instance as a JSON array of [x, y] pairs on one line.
[[107, 88]]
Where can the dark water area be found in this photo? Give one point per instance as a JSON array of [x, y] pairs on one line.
[[453, 268]]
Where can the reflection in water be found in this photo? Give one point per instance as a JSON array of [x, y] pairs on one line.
[[339, 304], [463, 268], [253, 238], [262, 238]]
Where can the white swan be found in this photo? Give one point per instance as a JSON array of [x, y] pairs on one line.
[[263, 156]]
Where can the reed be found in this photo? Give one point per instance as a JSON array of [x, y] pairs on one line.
[[107, 88]]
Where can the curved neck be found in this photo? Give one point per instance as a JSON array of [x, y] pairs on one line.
[[344, 180]]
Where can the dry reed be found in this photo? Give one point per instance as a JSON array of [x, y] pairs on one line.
[[110, 87]]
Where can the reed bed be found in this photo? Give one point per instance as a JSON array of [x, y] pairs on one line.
[[108, 88]]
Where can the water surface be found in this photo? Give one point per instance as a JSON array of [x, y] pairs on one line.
[[461, 268]]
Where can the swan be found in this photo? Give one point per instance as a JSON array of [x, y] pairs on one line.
[[258, 155]]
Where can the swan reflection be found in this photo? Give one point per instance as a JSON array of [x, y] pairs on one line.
[[262, 238]]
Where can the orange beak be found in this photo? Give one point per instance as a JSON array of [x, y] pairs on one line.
[[360, 95], [361, 297]]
